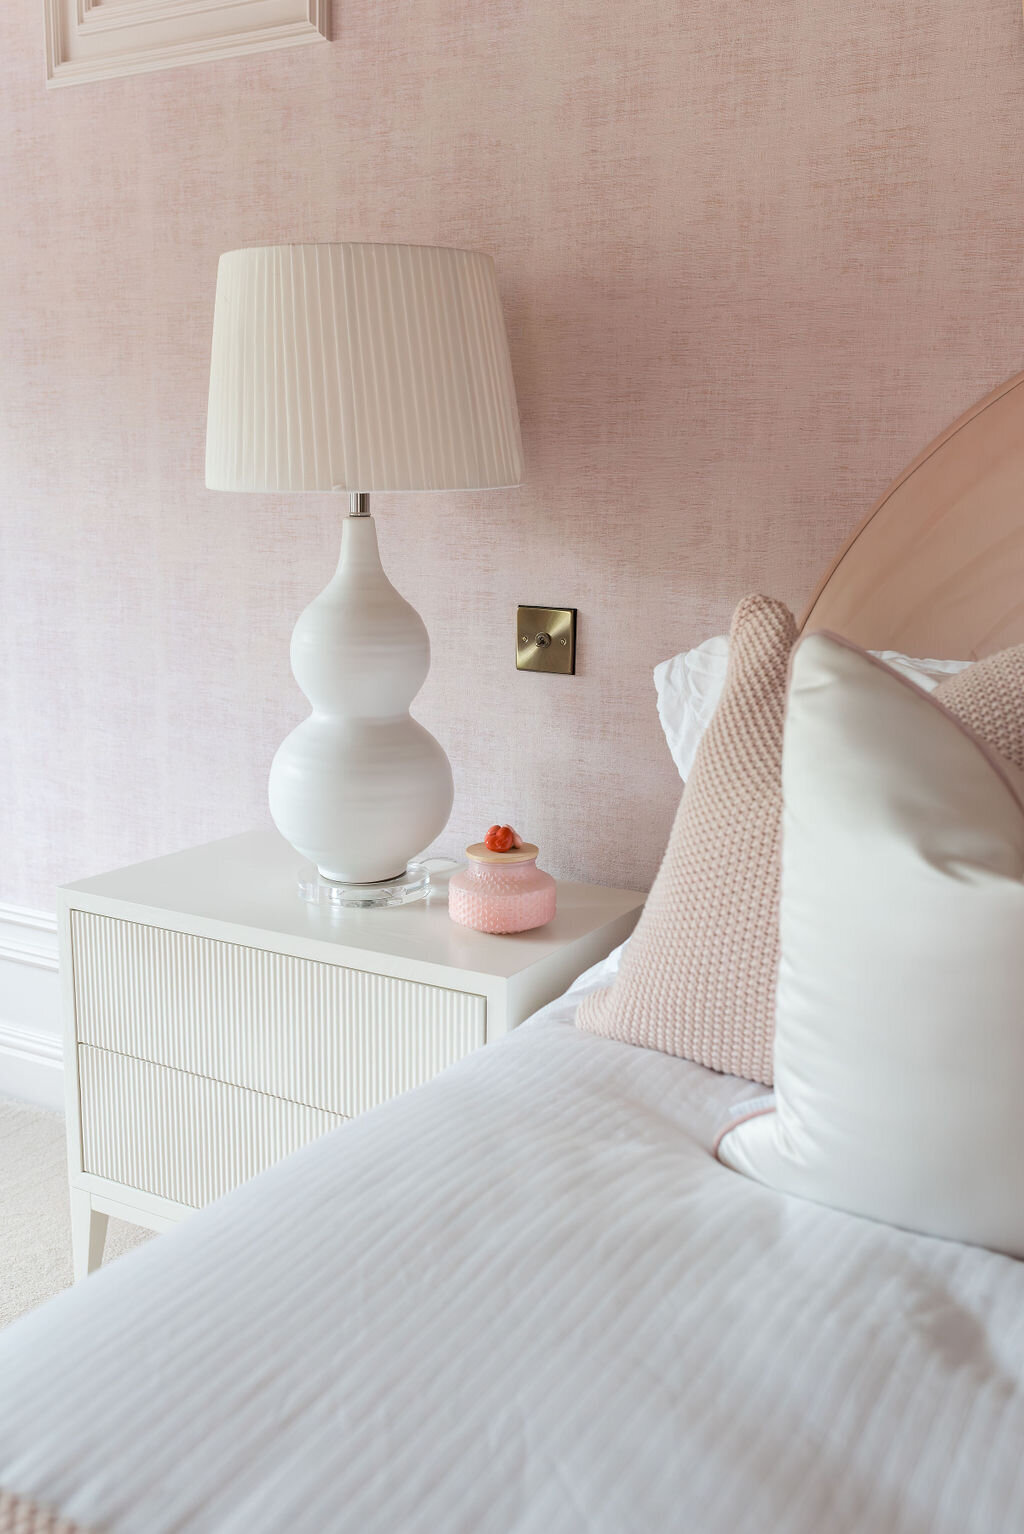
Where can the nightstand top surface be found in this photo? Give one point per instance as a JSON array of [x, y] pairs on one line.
[[249, 883]]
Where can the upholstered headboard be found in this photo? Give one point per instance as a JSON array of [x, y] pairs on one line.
[[937, 567]]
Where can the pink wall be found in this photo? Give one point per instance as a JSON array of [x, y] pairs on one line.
[[753, 257]]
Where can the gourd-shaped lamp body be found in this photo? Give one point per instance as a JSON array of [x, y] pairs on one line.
[[360, 787]]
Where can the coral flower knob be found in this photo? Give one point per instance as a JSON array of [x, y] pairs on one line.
[[502, 889], [502, 839]]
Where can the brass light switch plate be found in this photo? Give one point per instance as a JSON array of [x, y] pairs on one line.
[[546, 639]]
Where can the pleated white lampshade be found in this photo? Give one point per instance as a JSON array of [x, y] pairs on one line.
[[360, 367]]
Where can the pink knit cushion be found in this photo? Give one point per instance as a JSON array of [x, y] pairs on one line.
[[989, 698], [20, 1515], [698, 976]]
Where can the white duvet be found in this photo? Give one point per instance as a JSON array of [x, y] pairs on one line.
[[526, 1298]]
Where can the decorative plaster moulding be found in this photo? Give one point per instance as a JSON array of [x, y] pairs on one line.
[[100, 39]]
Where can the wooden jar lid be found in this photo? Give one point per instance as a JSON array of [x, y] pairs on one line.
[[479, 853]]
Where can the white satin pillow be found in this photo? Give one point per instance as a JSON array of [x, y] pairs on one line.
[[899, 1034], [690, 684]]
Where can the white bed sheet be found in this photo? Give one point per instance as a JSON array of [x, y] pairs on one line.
[[526, 1298]]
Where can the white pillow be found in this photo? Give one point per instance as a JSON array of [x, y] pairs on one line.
[[899, 1031], [690, 685]]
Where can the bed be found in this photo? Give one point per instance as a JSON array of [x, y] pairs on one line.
[[526, 1297]]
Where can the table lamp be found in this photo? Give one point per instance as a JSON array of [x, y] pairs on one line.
[[356, 368]]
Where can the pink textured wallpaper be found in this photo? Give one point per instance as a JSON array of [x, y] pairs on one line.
[[753, 257]]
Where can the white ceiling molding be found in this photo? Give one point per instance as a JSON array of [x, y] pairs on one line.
[[100, 39]]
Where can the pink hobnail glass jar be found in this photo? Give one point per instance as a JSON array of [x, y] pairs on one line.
[[501, 891]]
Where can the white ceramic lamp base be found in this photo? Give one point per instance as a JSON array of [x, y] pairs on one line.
[[360, 787]]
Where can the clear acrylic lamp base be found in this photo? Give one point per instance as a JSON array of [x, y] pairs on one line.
[[414, 884]]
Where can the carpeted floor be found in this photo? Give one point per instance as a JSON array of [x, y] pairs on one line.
[[35, 1223]]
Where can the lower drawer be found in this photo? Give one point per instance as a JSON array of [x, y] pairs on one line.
[[181, 1136]]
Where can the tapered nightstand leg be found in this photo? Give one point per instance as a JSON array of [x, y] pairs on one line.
[[88, 1234]]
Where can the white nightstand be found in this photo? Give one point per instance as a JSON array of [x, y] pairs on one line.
[[215, 1022]]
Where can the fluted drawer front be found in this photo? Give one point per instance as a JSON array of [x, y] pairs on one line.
[[340, 1039], [180, 1136]]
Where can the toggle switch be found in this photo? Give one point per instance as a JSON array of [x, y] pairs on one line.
[[546, 639]]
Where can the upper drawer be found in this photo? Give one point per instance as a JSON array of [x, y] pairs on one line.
[[339, 1039]]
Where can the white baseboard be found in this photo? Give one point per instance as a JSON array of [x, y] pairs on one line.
[[30, 1033], [31, 1067]]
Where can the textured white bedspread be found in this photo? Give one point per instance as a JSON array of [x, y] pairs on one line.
[[526, 1298]]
